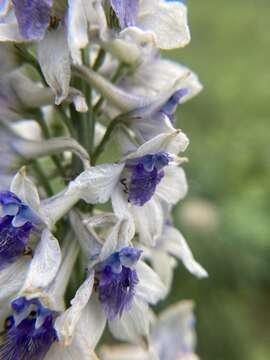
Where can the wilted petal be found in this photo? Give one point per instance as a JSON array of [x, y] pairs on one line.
[[53, 55]]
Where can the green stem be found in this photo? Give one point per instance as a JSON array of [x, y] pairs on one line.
[[46, 133], [113, 124], [42, 178]]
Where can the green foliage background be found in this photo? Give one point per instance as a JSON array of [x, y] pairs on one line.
[[228, 125]]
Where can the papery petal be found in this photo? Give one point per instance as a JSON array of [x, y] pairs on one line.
[[76, 350], [45, 263], [9, 30], [133, 325], [150, 288], [168, 20], [53, 55], [173, 187], [66, 323], [97, 183]]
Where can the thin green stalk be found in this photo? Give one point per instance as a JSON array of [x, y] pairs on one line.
[[43, 178], [66, 120], [107, 136], [46, 133]]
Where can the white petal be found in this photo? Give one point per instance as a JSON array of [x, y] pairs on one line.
[[148, 221], [133, 324], [97, 183], [10, 32], [124, 352], [25, 189], [150, 288], [176, 245], [168, 20], [76, 350], [173, 186], [45, 263], [12, 278], [53, 55], [66, 323], [92, 322], [173, 142], [118, 238]]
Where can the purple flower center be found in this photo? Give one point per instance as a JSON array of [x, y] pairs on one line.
[[126, 12], [145, 174], [33, 17], [116, 281], [29, 331], [16, 222]]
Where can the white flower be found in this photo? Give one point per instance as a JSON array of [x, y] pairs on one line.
[[172, 338], [119, 286]]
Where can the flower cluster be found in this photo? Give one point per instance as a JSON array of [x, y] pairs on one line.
[[87, 117]]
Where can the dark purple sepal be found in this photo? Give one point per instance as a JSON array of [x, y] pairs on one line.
[[33, 17]]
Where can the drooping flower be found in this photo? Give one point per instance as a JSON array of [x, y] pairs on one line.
[[172, 338]]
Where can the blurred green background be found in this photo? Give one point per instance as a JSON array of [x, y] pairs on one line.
[[225, 217]]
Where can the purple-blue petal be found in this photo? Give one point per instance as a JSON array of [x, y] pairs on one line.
[[126, 11], [33, 17], [25, 340], [116, 289]]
